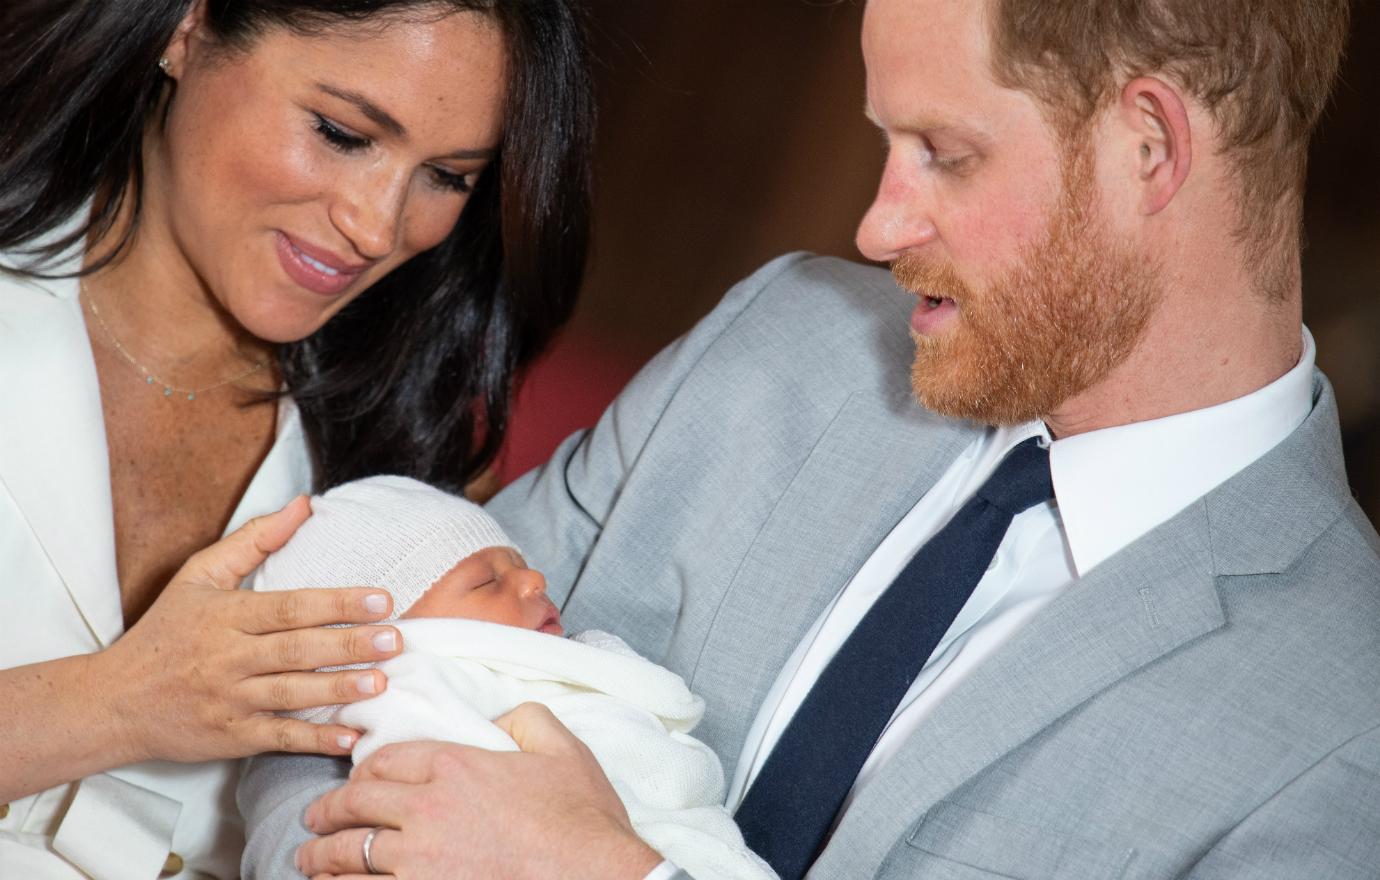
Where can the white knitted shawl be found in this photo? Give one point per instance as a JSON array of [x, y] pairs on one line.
[[456, 675]]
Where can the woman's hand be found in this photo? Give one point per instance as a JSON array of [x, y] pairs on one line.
[[200, 675], [202, 672], [449, 812]]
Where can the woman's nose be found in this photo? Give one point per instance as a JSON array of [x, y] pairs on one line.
[[369, 212]]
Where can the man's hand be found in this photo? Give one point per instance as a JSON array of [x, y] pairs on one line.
[[450, 812]]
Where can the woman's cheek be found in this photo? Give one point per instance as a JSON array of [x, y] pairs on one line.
[[429, 218], [297, 172]]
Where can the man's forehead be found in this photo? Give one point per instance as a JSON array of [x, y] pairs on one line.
[[928, 64]]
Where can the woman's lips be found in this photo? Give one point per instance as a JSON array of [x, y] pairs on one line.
[[316, 270]]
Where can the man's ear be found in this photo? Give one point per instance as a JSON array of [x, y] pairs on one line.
[[1154, 114], [181, 47]]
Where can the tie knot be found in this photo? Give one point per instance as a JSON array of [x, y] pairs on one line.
[[1022, 479]]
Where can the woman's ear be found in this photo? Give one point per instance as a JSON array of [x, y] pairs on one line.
[[1161, 135], [182, 46]]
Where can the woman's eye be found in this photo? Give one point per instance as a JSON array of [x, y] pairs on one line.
[[337, 137], [449, 180]]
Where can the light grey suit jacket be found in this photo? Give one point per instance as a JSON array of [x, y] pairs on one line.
[[1205, 704]]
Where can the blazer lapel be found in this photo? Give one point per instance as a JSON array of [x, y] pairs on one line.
[[877, 457], [1153, 597], [53, 456]]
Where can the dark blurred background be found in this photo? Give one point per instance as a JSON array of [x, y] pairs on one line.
[[732, 131]]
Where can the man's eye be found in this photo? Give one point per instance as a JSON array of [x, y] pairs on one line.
[[337, 137], [952, 163]]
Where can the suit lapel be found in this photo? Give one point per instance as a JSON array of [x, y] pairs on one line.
[[1152, 598], [53, 457], [877, 457]]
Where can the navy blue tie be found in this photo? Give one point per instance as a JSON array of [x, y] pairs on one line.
[[793, 801]]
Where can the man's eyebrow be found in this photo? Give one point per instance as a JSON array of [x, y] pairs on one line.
[[930, 124], [376, 114]]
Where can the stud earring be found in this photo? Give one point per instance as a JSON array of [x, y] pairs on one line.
[[165, 65]]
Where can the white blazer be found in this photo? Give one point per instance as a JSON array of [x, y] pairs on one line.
[[59, 596]]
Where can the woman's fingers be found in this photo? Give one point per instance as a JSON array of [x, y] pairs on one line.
[[289, 691], [283, 610], [230, 560], [314, 648], [270, 733], [209, 662], [341, 854]]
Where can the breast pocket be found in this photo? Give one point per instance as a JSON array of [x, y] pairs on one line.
[[954, 842]]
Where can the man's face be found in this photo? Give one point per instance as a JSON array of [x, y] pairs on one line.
[[995, 222]]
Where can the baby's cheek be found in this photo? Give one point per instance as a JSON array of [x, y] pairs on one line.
[[439, 601]]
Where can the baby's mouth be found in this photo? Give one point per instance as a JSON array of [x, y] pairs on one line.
[[551, 624]]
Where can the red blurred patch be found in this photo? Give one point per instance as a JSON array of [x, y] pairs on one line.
[[567, 389]]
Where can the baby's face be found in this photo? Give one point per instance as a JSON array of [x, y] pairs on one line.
[[496, 585]]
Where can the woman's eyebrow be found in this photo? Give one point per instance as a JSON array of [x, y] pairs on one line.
[[385, 120], [376, 114]]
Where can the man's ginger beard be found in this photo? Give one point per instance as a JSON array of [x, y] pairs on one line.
[[1071, 310]]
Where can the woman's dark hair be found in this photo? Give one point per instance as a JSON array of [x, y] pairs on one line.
[[415, 376]]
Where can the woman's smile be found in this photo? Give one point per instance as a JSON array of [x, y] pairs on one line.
[[309, 167], [317, 270]]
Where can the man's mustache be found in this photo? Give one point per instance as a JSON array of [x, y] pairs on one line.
[[929, 278]]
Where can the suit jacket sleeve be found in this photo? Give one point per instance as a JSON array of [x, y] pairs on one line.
[[1324, 825], [554, 514], [275, 791]]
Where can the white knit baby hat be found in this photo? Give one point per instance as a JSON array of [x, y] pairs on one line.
[[391, 532]]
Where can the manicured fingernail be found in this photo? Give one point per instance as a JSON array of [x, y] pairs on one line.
[[375, 603], [365, 683], [345, 741], [385, 642]]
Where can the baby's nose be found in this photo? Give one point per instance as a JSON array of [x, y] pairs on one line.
[[533, 582]]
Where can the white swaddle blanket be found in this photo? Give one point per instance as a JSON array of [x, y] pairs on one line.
[[635, 716]]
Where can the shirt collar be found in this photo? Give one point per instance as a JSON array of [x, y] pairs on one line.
[[1115, 485]]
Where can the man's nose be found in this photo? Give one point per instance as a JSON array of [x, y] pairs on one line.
[[898, 219], [369, 210]]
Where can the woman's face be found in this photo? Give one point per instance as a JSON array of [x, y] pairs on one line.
[[292, 176]]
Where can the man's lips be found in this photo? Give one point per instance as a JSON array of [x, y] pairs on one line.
[[932, 313]]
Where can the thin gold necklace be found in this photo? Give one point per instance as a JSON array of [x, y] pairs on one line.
[[169, 389]]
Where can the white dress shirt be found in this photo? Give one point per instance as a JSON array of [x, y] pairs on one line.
[[1111, 487]]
